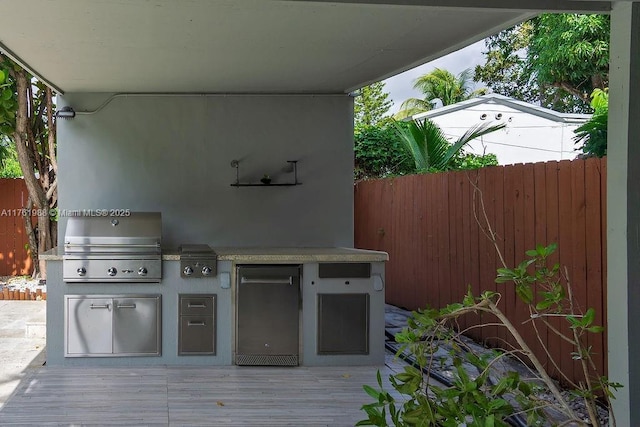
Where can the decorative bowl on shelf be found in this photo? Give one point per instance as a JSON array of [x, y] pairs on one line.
[[266, 180]]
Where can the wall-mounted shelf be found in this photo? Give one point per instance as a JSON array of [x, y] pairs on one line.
[[294, 163]]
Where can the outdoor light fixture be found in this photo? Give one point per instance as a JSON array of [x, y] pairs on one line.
[[65, 113]]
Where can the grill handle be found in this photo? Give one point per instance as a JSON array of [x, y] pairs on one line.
[[198, 305], [284, 281], [126, 306]]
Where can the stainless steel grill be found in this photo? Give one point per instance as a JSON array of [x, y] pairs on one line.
[[113, 249]]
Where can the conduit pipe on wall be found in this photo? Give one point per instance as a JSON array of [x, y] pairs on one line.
[[203, 95]]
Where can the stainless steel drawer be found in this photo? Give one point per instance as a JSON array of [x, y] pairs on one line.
[[197, 335], [197, 324], [199, 305]]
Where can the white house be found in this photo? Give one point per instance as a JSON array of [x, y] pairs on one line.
[[532, 133]]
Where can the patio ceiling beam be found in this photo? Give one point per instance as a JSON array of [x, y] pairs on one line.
[[591, 6], [15, 58]]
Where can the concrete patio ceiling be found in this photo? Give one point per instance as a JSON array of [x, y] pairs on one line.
[[245, 46]]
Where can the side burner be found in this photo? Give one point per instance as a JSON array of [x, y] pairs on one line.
[[198, 261]]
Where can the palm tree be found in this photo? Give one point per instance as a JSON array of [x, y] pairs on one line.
[[439, 84], [429, 147]]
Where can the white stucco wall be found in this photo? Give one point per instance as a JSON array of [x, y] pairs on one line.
[[172, 154], [527, 138]]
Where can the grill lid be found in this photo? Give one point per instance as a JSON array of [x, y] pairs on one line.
[[140, 232]]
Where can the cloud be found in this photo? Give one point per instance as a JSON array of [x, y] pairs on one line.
[[400, 86]]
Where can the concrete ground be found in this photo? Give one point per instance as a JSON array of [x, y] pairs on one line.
[[22, 342]]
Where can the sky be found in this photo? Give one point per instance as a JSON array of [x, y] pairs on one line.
[[400, 87]]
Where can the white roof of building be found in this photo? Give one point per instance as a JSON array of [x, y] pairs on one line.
[[496, 99]]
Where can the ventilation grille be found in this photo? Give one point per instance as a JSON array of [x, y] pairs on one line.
[[267, 359]]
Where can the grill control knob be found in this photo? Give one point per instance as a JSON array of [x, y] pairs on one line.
[[112, 271], [81, 271], [206, 270], [188, 270], [142, 271]]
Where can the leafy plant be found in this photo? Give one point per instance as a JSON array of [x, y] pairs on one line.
[[471, 400], [379, 153], [429, 147], [469, 161], [593, 134]]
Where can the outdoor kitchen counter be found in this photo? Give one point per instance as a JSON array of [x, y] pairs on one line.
[[269, 255], [321, 298]]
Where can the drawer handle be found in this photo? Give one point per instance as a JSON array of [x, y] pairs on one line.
[[126, 306], [92, 306], [196, 323], [286, 281], [199, 305]]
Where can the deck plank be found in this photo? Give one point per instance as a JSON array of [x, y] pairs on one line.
[[193, 396]]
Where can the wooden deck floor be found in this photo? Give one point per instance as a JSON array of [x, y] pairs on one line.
[[185, 396]]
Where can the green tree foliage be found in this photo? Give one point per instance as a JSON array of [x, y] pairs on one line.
[[9, 166], [439, 84], [505, 61], [555, 60], [27, 120], [371, 106], [593, 134], [469, 161], [429, 147], [379, 153]]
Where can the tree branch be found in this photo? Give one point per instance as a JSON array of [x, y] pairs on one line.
[[51, 136]]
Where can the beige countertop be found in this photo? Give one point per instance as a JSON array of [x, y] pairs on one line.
[[270, 255]]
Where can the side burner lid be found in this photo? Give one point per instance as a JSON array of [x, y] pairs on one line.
[[196, 250]]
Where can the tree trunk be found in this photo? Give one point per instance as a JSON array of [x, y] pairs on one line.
[[33, 243], [42, 188]]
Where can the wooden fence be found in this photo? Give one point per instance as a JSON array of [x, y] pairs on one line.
[[14, 258], [436, 248]]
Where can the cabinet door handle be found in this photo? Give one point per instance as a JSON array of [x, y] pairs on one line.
[[126, 306], [199, 305], [284, 281], [92, 306], [196, 323]]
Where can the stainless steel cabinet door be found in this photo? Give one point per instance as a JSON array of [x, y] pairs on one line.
[[268, 313], [136, 323], [88, 326]]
